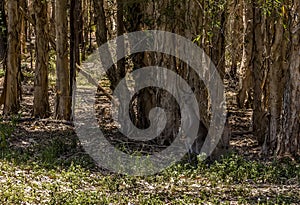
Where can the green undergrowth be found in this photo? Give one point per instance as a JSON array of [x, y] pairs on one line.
[[59, 172], [6, 130]]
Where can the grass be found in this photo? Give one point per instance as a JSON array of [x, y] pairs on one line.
[[6, 130], [56, 172]]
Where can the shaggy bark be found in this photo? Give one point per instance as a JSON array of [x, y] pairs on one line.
[[41, 98], [12, 84], [289, 137], [63, 98]]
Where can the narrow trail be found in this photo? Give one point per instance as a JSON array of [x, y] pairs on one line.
[[242, 140]]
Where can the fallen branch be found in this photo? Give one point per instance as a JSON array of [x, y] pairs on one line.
[[93, 81]]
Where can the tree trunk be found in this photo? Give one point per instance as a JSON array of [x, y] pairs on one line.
[[120, 32], [13, 86], [246, 65], [233, 36], [3, 47], [3, 32], [23, 5], [75, 31], [176, 21], [85, 28], [63, 99], [215, 21], [101, 37], [41, 99], [260, 115], [141, 106], [279, 49], [289, 137], [217, 50], [52, 19]]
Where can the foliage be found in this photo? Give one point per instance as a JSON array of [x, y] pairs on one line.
[[6, 130], [277, 8]]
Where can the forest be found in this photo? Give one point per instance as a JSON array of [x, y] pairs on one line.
[[149, 102]]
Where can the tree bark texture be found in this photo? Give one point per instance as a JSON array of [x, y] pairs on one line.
[[289, 137], [13, 86], [260, 115], [63, 98], [41, 98]]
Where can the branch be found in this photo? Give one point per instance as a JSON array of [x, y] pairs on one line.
[[93, 81]]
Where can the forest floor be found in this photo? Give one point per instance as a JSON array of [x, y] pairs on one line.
[[43, 162]]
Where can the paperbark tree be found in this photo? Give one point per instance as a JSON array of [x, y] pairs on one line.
[[41, 98], [120, 32], [167, 16], [101, 37], [75, 38], [3, 31], [288, 142], [12, 86], [260, 114], [279, 51], [246, 82], [23, 34], [63, 98]]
